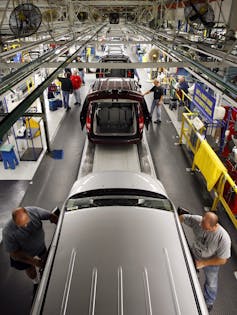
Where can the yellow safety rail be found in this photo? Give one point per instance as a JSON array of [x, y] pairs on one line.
[[209, 164], [180, 99], [187, 129], [225, 178]]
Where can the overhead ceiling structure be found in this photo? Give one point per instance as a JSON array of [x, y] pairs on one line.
[[164, 22], [71, 13], [42, 20], [35, 20]]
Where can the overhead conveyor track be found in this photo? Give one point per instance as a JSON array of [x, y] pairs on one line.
[[13, 79], [19, 111], [205, 49], [177, 55], [12, 52]]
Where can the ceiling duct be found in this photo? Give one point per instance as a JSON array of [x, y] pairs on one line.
[[157, 21], [147, 15], [82, 16], [50, 15]]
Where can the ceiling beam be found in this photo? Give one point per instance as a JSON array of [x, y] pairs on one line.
[[120, 65], [121, 3]]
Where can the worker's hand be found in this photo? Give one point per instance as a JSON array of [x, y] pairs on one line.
[[53, 218], [182, 210], [199, 264], [38, 262]]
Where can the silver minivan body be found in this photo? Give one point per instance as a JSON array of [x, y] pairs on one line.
[[117, 253]]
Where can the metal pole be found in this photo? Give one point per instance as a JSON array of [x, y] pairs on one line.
[[45, 122]]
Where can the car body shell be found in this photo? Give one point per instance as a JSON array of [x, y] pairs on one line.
[[119, 259], [121, 96], [116, 56]]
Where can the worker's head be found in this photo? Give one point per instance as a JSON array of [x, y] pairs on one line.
[[67, 74], [181, 79], [75, 72], [156, 82], [209, 221], [21, 217]]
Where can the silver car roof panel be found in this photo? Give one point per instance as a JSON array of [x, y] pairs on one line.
[[119, 260]]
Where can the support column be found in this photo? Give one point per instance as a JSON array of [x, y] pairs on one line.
[[46, 128]]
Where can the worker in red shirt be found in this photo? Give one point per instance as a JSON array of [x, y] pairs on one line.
[[76, 83]]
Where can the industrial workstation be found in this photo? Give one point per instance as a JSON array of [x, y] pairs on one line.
[[118, 157]]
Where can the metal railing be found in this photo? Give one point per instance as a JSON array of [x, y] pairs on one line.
[[214, 171]]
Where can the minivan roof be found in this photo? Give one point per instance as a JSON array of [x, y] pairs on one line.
[[120, 260], [115, 57], [124, 84]]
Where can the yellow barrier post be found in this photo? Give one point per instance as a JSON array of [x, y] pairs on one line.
[[195, 150], [218, 192], [220, 197]]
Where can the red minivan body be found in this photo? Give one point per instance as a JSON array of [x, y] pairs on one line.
[[115, 111]]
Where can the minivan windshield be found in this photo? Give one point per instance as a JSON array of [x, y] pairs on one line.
[[116, 198]]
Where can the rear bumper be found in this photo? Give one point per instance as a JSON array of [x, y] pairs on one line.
[[114, 140]]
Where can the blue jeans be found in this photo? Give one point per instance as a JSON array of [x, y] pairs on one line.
[[158, 108], [211, 284], [66, 99]]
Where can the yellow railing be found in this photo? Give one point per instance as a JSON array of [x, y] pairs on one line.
[[182, 98], [209, 164]]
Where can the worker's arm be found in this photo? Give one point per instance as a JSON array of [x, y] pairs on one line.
[[23, 257], [147, 92], [216, 261], [181, 218]]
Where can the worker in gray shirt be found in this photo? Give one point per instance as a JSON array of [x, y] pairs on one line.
[[23, 238], [211, 248]]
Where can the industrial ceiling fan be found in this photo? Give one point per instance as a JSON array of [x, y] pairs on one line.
[[153, 55], [199, 13], [25, 20]]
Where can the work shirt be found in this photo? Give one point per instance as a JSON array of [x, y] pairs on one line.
[[183, 86], [76, 81], [66, 84], [29, 239], [158, 92], [208, 244]]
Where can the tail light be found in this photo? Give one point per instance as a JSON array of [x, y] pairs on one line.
[[140, 119], [88, 119]]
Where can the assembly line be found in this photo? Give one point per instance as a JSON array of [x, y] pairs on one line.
[[118, 158]]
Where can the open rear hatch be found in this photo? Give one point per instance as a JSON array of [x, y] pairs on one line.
[[114, 119]]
